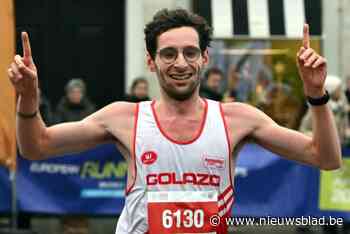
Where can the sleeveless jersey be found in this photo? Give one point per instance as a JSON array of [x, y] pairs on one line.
[[179, 187]]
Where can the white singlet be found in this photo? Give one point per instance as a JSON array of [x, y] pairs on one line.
[[179, 187]]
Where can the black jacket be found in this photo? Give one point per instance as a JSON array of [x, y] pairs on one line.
[[67, 111], [206, 92]]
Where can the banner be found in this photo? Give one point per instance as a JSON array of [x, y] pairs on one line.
[[7, 96], [93, 183], [335, 188], [266, 184]]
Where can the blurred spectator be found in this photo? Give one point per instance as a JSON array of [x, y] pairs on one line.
[[337, 104], [231, 93], [347, 90], [211, 87], [280, 102], [245, 85], [24, 218], [75, 105], [138, 91], [45, 109], [347, 94], [264, 86]]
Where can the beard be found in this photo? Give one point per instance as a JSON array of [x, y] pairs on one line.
[[179, 93]]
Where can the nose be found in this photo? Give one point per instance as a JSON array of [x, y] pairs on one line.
[[180, 60]]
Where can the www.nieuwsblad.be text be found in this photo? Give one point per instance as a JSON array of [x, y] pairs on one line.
[[278, 221]]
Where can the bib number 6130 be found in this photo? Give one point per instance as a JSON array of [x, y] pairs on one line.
[[183, 218]]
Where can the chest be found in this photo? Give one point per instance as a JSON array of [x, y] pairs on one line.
[[164, 163], [181, 130], [182, 147]]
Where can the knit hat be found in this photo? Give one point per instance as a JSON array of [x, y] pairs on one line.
[[332, 83], [75, 83]]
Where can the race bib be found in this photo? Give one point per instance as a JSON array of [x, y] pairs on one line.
[[181, 211]]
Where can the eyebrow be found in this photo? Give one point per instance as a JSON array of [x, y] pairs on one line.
[[173, 47]]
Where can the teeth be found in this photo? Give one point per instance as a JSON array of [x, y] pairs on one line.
[[181, 77]]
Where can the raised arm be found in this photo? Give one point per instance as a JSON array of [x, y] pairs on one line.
[[35, 140], [323, 148]]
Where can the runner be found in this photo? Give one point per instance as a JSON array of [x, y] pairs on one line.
[[178, 148]]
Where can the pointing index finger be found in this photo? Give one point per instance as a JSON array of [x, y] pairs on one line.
[[27, 52], [306, 37]]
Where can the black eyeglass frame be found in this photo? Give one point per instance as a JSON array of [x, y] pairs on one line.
[[176, 51]]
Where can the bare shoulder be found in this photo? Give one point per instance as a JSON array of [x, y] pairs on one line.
[[115, 110], [115, 116], [117, 120], [238, 110], [243, 119], [119, 110]]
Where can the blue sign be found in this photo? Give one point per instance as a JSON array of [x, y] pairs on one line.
[[93, 183], [268, 185], [5, 190]]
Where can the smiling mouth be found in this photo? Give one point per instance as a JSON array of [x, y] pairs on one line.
[[181, 76]]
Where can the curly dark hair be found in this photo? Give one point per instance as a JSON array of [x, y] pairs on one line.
[[165, 20]]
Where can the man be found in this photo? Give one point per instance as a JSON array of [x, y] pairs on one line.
[[178, 147], [211, 88], [138, 91], [75, 104]]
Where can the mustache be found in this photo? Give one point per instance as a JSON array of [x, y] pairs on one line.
[[195, 70]]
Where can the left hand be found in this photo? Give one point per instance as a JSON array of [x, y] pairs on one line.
[[312, 67]]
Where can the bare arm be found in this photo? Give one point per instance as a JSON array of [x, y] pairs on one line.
[[323, 148], [36, 141]]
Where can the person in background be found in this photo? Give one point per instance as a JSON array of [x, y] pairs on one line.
[[347, 94], [45, 109], [338, 106], [211, 87], [75, 105], [347, 90], [231, 93], [264, 85], [138, 91], [24, 218]]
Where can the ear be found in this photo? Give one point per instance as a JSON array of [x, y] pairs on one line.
[[150, 63], [205, 57]]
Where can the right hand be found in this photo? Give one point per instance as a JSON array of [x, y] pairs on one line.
[[22, 71]]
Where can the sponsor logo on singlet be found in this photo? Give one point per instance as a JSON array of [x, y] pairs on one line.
[[167, 178], [149, 157], [213, 162]]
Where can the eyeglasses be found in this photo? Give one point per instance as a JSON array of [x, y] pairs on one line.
[[169, 54]]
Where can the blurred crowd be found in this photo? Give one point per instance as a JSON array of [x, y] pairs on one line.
[[275, 97], [271, 95]]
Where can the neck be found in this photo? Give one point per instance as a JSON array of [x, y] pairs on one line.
[[174, 107]]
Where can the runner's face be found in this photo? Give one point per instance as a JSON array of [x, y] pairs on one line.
[[179, 79]]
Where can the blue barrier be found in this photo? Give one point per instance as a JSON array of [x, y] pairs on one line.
[[5, 191], [93, 183]]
